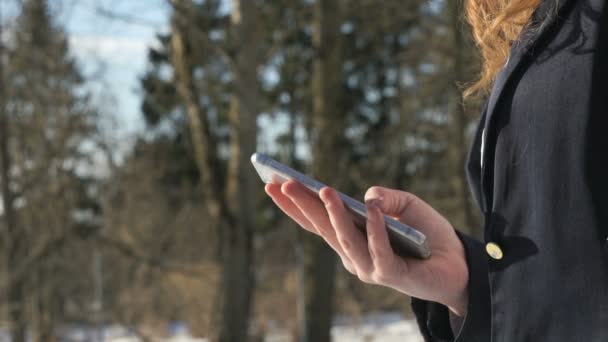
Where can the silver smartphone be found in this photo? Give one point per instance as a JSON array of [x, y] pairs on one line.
[[405, 240]]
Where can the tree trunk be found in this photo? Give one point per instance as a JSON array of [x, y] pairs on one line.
[[203, 142], [241, 182], [16, 299], [14, 290], [232, 209], [329, 149], [44, 306]]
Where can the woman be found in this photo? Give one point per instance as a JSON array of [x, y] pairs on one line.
[[538, 170]]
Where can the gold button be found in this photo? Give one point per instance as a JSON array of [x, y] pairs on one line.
[[494, 251]]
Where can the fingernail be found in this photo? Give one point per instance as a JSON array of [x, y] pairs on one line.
[[372, 206], [324, 199], [374, 202], [371, 216]]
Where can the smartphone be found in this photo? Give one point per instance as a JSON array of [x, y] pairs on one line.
[[405, 240]]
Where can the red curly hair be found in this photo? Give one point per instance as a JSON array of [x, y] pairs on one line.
[[496, 25]]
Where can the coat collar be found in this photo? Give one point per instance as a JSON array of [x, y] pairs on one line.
[[547, 15]]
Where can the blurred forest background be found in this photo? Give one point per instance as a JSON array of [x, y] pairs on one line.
[[175, 230]]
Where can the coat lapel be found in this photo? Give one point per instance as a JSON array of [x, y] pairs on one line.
[[547, 14]]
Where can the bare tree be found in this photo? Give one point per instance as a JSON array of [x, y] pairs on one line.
[[14, 292], [328, 142], [230, 204], [44, 123]]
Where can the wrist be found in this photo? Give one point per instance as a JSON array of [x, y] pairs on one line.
[[459, 306], [459, 301]]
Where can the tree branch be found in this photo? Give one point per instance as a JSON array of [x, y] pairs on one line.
[[151, 261]]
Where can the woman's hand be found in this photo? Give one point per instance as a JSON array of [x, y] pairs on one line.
[[442, 278]]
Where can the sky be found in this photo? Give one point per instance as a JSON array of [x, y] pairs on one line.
[[110, 40]]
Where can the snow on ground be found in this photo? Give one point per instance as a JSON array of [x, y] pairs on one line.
[[172, 339], [402, 331], [405, 331], [373, 327]]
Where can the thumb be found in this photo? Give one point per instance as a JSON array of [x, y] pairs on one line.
[[391, 202], [405, 206]]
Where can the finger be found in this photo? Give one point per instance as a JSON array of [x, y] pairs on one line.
[[385, 262], [308, 205], [350, 238], [288, 207], [315, 212]]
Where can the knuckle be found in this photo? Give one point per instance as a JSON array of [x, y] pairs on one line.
[[310, 228], [404, 200], [323, 231], [410, 197], [381, 268], [365, 277], [346, 246], [348, 266], [376, 248], [381, 277]]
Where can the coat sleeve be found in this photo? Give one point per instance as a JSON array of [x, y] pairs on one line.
[[434, 319]]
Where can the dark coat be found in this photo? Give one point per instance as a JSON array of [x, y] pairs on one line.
[[541, 180]]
